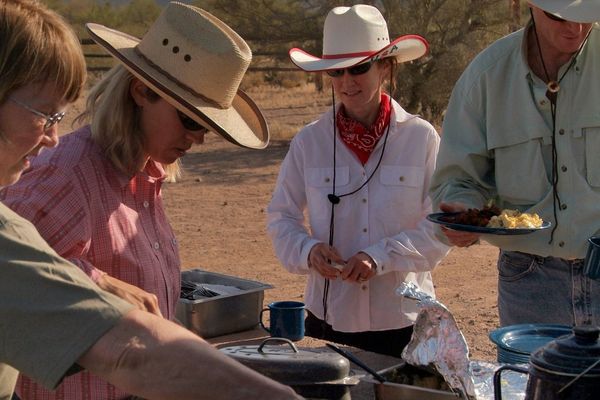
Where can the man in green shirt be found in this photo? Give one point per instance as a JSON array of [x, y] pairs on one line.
[[523, 128]]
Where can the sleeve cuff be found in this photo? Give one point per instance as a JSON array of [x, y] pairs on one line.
[[380, 260], [305, 252]]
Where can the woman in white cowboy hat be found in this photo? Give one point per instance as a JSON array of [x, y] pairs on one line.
[[96, 198], [362, 172], [523, 127]]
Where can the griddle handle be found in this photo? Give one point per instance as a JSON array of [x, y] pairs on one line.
[[277, 339], [356, 361]]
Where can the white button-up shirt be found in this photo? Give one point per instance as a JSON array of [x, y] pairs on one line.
[[385, 219]]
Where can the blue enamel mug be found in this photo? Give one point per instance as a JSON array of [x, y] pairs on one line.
[[286, 319], [591, 264]]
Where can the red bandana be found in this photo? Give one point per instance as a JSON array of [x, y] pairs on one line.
[[357, 137]]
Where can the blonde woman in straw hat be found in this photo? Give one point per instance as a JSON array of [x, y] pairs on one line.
[[53, 319], [522, 127], [96, 198], [362, 172]]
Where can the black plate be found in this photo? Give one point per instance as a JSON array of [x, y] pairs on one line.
[[436, 218]]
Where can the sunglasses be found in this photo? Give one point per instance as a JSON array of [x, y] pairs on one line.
[[189, 123], [554, 17], [50, 119], [356, 70]]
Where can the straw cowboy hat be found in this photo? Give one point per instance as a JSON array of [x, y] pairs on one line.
[[582, 11], [196, 63], [356, 34]]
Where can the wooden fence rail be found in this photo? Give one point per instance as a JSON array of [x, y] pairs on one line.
[[90, 42]]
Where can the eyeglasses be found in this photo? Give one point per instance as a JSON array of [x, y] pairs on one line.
[[554, 17], [50, 119], [189, 123], [356, 70]]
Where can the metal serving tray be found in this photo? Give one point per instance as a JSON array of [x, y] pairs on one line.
[[225, 313]]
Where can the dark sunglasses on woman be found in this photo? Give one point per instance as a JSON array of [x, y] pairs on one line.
[[554, 17], [189, 123], [356, 70]]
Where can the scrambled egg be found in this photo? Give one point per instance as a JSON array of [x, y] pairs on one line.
[[515, 219]]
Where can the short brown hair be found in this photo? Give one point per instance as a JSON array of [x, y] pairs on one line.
[[37, 46]]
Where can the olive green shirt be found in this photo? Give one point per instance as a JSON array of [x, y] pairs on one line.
[[496, 144], [50, 311]]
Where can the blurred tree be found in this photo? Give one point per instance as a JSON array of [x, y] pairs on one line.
[[272, 26], [455, 29]]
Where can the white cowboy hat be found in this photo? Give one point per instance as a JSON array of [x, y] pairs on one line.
[[582, 11], [356, 34], [196, 63]]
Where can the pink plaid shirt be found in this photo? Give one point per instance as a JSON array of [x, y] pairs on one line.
[[101, 220]]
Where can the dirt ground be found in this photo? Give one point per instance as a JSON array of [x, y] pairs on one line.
[[218, 213]]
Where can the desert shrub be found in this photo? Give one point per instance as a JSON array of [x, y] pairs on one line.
[[252, 79]]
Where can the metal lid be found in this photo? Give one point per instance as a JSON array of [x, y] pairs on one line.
[[290, 365], [571, 354]]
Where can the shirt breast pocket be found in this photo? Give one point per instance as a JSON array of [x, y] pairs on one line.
[[319, 184], [403, 189], [592, 155], [520, 172]]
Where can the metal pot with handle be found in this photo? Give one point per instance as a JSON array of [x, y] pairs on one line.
[[312, 373], [567, 368]]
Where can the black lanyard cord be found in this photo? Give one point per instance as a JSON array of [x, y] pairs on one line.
[[335, 199], [552, 95]]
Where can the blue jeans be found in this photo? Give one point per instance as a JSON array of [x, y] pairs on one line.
[[534, 289]]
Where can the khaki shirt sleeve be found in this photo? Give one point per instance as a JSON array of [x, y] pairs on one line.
[[50, 311]]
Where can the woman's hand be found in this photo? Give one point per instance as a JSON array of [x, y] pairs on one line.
[[458, 238], [322, 257], [141, 299], [359, 268]]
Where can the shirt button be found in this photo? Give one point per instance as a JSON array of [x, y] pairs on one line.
[[563, 168], [146, 204], [156, 245], [561, 132], [563, 206], [174, 241], [561, 244], [364, 200], [364, 287], [326, 179], [401, 179], [364, 229]]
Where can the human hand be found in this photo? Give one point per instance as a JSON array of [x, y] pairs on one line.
[[359, 268], [320, 257], [141, 299], [458, 238]]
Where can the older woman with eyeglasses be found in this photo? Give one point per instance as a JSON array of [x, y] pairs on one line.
[[362, 172], [96, 198]]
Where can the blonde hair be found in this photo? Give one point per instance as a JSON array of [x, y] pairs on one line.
[[38, 46], [114, 118]]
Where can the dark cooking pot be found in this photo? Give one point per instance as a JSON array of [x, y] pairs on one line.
[[567, 368], [312, 373]]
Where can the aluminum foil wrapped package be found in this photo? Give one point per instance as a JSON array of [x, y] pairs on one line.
[[437, 342]]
